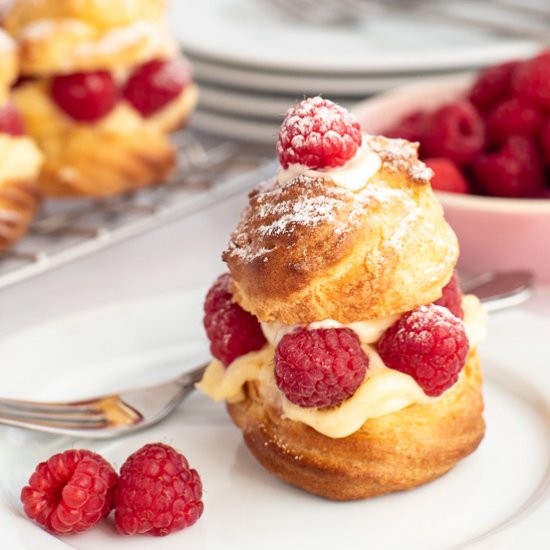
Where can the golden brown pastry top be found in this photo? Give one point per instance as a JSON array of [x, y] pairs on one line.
[[61, 36], [8, 65], [311, 250]]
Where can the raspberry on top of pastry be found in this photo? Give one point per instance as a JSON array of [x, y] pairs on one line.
[[343, 346], [102, 85], [20, 159]]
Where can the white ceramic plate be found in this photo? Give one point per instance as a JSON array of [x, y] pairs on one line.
[[250, 80], [237, 127], [249, 34], [496, 498]]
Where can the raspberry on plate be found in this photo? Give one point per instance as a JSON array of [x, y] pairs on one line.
[[451, 297], [512, 117], [545, 141], [11, 121], [318, 133], [492, 85], [429, 344], [86, 97], [447, 176], [320, 368], [157, 492], [232, 331], [531, 80], [455, 132], [412, 127], [515, 170], [70, 492], [155, 84]]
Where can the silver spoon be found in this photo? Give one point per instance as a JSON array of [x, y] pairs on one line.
[[500, 289]]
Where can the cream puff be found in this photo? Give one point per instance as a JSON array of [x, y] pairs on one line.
[[20, 159], [343, 346], [101, 88]]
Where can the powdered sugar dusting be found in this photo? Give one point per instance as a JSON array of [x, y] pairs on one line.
[[281, 210], [401, 155]]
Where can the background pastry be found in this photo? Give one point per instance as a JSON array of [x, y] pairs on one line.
[[101, 87], [20, 159], [343, 345]]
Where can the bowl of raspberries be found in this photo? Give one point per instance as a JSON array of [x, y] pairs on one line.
[[486, 137]]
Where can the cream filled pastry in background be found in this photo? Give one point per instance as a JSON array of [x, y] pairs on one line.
[[20, 159], [102, 84], [343, 346]]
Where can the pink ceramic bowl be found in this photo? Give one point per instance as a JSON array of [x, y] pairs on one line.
[[494, 233]]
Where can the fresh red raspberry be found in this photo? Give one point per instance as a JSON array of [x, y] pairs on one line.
[[515, 170], [492, 86], [320, 368], [428, 343], [455, 132], [70, 492], [512, 117], [157, 492], [545, 141], [531, 80], [451, 297], [156, 83], [11, 121], [318, 134], [232, 331], [447, 176], [412, 128], [86, 97]]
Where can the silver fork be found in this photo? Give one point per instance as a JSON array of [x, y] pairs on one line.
[[104, 416]]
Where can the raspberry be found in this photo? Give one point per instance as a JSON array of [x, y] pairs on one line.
[[318, 134], [412, 127], [154, 84], [456, 132], [447, 176], [320, 368], [70, 492], [86, 97], [451, 297], [545, 140], [232, 331], [157, 492], [492, 86], [512, 117], [515, 170], [429, 344], [531, 80], [10, 121]]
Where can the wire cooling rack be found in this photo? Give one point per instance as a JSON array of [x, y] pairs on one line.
[[71, 229]]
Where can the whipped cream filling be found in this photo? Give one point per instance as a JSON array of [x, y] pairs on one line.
[[353, 176], [383, 391], [20, 158]]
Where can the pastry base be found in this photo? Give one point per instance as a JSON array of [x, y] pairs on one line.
[[391, 453], [19, 201]]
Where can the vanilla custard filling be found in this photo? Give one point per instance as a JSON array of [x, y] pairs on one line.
[[383, 391], [353, 176], [20, 158]]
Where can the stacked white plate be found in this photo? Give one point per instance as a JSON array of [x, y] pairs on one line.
[[253, 62]]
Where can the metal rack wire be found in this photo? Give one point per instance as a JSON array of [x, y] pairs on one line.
[[71, 229]]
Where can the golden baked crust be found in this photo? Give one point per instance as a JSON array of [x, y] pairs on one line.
[[69, 35], [99, 13], [8, 65], [19, 201], [391, 453], [311, 250], [100, 163]]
